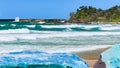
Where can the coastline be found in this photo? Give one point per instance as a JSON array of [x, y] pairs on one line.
[[92, 56]]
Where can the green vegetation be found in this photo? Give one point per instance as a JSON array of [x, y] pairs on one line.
[[88, 14]]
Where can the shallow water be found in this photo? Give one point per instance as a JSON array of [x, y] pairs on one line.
[[56, 37]]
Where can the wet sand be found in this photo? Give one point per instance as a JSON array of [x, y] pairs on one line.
[[91, 57]]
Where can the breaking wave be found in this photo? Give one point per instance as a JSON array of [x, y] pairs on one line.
[[15, 31], [57, 37], [60, 27]]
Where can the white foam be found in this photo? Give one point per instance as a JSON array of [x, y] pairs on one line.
[[28, 36], [110, 28], [71, 26], [60, 26], [107, 25], [30, 26], [72, 34], [78, 26], [90, 27], [2, 25], [7, 39], [87, 27], [47, 34], [51, 49], [14, 31], [13, 25]]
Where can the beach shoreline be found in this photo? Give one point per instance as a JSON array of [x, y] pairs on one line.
[[92, 56]]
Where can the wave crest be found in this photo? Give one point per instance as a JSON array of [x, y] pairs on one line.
[[70, 27]]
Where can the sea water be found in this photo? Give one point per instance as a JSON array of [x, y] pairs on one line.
[[52, 38]]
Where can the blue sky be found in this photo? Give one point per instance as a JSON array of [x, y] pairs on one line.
[[48, 8]]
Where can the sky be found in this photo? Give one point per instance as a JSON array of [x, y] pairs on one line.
[[48, 9]]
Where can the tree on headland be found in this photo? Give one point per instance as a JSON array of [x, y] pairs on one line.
[[87, 14]]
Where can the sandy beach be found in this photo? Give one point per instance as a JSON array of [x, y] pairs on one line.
[[91, 57]]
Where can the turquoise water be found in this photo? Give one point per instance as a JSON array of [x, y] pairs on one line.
[[37, 59], [16, 36]]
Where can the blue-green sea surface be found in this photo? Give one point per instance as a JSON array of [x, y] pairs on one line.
[[17, 36]]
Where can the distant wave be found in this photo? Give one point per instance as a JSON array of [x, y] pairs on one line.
[[53, 27]]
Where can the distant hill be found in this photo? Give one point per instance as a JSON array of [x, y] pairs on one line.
[[88, 14]]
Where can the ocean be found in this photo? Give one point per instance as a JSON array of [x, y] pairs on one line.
[[51, 38]]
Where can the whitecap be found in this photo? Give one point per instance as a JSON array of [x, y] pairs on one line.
[[14, 31], [30, 26], [110, 28], [7, 39]]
